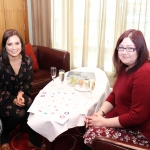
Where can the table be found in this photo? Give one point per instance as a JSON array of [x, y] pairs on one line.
[[49, 128]]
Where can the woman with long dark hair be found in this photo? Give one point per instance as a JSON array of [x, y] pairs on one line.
[[16, 77]]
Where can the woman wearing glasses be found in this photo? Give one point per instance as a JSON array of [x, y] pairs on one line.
[[125, 115]]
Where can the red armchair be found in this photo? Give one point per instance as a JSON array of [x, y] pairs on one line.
[[46, 58]]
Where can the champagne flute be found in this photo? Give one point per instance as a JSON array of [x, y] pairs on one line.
[[61, 76], [53, 72]]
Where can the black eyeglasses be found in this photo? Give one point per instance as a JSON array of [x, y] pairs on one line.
[[128, 49]]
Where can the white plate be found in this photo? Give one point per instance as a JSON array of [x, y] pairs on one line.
[[81, 89]]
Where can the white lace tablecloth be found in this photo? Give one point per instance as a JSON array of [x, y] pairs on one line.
[[47, 122]]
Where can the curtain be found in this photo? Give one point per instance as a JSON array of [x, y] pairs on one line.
[[89, 29], [41, 22]]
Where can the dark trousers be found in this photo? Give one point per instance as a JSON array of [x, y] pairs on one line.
[[12, 115]]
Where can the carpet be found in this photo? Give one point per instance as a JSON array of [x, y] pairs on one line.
[[72, 139]]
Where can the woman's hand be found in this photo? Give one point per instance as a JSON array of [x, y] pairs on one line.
[[97, 114], [87, 121], [16, 102], [95, 120], [19, 101]]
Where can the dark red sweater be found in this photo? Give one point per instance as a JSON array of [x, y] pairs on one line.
[[131, 99]]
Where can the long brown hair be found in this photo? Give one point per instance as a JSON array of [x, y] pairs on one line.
[[138, 39], [7, 34]]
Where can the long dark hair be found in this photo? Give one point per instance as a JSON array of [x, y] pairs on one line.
[[7, 34], [138, 39]]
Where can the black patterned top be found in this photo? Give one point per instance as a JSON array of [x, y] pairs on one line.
[[10, 83]]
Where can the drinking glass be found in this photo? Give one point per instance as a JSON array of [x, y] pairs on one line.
[[92, 85], [80, 82], [53, 72], [61, 76], [73, 80], [87, 85]]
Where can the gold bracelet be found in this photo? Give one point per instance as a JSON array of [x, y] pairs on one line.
[[102, 113]]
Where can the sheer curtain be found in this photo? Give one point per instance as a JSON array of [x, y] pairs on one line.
[[89, 29], [41, 22]]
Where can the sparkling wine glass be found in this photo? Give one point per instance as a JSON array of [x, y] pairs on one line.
[[61, 76], [53, 72]]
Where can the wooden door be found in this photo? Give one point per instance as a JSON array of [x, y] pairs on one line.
[[13, 15], [2, 20]]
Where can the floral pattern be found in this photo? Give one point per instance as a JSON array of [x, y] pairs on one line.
[[124, 135], [11, 84]]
